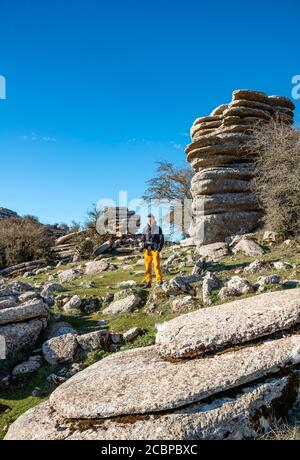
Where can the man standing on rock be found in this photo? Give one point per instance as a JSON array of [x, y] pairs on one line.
[[152, 243]]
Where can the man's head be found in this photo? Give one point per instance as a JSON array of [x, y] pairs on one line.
[[151, 219]]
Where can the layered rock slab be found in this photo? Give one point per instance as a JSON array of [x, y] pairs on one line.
[[29, 310], [248, 414], [210, 330], [140, 381]]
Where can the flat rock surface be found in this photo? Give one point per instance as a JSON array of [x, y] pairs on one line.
[[23, 312], [140, 381], [231, 418], [216, 328]]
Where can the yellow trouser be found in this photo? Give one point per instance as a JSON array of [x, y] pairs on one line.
[[152, 256]]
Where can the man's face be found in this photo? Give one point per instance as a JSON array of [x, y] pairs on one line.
[[150, 220]]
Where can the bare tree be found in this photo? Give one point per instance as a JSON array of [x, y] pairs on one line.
[[173, 184], [277, 176]]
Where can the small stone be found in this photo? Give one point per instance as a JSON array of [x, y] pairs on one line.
[[254, 267], [27, 367], [268, 280], [93, 340], [73, 305], [239, 285], [282, 266], [132, 334]]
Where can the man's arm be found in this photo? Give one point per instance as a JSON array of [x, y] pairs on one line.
[[161, 240]]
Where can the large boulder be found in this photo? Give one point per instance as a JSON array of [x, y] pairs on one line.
[[22, 336], [60, 349], [210, 330]]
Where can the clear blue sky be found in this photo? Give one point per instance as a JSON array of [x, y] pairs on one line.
[[97, 91]]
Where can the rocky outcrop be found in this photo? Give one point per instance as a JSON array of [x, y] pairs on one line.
[[156, 393], [21, 323], [21, 269], [222, 155], [118, 221], [7, 213]]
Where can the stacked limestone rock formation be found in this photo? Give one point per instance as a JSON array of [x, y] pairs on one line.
[[21, 320], [119, 221], [228, 372], [222, 155]]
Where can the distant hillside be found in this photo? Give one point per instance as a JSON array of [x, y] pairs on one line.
[[5, 213]]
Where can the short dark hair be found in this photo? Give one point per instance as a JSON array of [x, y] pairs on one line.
[[151, 216]]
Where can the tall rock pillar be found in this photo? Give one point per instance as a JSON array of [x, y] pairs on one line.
[[222, 155]]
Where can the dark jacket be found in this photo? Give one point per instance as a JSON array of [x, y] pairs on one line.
[[153, 238]]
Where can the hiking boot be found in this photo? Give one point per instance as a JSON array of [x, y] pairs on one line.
[[146, 286]]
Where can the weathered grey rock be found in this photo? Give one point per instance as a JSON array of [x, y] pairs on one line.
[[105, 247], [210, 283], [282, 266], [226, 293], [28, 296], [217, 227], [214, 251], [178, 285], [126, 305], [132, 334], [268, 280], [93, 340], [61, 328], [27, 367], [60, 349], [254, 267], [240, 321], [184, 304], [239, 285], [272, 237], [249, 247], [73, 305], [141, 382], [29, 310], [67, 276], [22, 336], [246, 415], [98, 266], [7, 302]]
